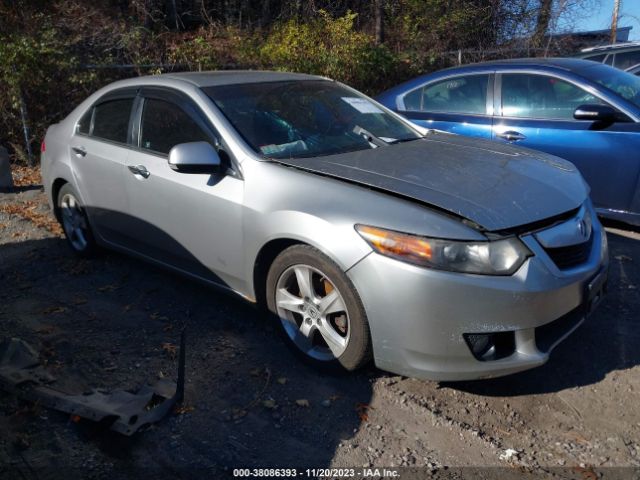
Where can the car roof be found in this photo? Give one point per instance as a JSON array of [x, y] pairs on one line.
[[229, 77], [553, 62], [607, 48]]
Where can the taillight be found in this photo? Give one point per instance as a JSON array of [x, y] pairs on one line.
[[43, 147]]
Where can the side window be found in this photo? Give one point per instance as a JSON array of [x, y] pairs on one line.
[[541, 96], [165, 124], [84, 125], [111, 120], [627, 59], [456, 95], [596, 58]]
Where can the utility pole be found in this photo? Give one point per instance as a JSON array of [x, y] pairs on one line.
[[614, 20]]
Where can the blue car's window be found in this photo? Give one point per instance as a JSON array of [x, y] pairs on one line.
[[466, 94], [621, 83], [306, 118], [626, 60], [542, 96], [596, 58]]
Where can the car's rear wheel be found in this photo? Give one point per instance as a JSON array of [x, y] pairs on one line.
[[318, 309], [75, 222]]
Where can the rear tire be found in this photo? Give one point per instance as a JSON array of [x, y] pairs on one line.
[[75, 223], [318, 309]]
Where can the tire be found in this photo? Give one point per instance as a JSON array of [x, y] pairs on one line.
[[318, 310], [75, 223]]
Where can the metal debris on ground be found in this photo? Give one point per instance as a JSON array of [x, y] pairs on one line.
[[125, 412]]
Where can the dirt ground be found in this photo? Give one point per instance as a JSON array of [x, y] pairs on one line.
[[106, 323]]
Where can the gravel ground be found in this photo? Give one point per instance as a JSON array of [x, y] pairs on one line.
[[249, 403]]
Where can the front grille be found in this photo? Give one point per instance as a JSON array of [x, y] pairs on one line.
[[571, 256]]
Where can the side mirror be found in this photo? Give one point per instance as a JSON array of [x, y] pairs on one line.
[[596, 113], [194, 157]]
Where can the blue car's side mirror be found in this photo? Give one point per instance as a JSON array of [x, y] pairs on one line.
[[596, 113]]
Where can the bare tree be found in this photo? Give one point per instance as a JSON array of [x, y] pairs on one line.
[[379, 20], [542, 22]]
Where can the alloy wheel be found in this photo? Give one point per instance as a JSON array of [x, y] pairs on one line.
[[313, 312]]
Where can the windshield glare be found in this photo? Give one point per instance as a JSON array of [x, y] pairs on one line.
[[306, 118], [621, 83]]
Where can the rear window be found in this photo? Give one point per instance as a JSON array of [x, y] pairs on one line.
[[626, 60], [111, 120], [596, 58]]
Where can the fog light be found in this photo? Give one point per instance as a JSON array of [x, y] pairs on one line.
[[491, 346]]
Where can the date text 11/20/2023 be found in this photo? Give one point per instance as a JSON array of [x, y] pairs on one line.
[[316, 472]]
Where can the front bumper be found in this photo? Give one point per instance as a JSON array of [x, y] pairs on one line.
[[418, 317]]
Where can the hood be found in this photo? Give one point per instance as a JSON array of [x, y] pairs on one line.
[[495, 186]]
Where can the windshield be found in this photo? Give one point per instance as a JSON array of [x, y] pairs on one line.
[[308, 118], [622, 83]]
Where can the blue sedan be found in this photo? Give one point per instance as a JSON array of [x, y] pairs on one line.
[[585, 112]]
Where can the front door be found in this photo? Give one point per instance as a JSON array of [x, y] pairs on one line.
[[190, 221], [536, 111]]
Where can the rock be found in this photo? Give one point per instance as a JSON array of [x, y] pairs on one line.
[[6, 180]]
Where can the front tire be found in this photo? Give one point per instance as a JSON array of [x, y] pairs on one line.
[[75, 222], [318, 309]]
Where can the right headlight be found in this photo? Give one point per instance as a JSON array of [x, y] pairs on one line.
[[499, 257]]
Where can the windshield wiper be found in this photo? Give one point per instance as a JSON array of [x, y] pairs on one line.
[[402, 140], [370, 137]]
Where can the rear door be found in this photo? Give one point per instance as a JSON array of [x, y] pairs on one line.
[[98, 152], [460, 104], [535, 110], [190, 221]]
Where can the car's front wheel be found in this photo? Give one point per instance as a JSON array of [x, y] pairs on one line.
[[318, 309], [75, 222]]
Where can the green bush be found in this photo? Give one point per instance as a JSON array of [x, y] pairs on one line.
[[331, 47]]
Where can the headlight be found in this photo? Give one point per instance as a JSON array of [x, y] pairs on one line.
[[500, 257]]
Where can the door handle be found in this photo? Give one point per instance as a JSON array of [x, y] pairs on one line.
[[139, 170], [512, 136], [80, 151]]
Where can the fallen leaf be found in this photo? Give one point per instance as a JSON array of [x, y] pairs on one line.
[[303, 402], [46, 329], [167, 327], [282, 380], [79, 301], [108, 288], [255, 372], [171, 349], [182, 409], [362, 410], [238, 413], [269, 403], [587, 473], [52, 310], [75, 418]]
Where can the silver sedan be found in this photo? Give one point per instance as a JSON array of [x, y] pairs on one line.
[[365, 237]]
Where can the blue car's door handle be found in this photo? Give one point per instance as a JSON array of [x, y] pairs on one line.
[[512, 136]]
